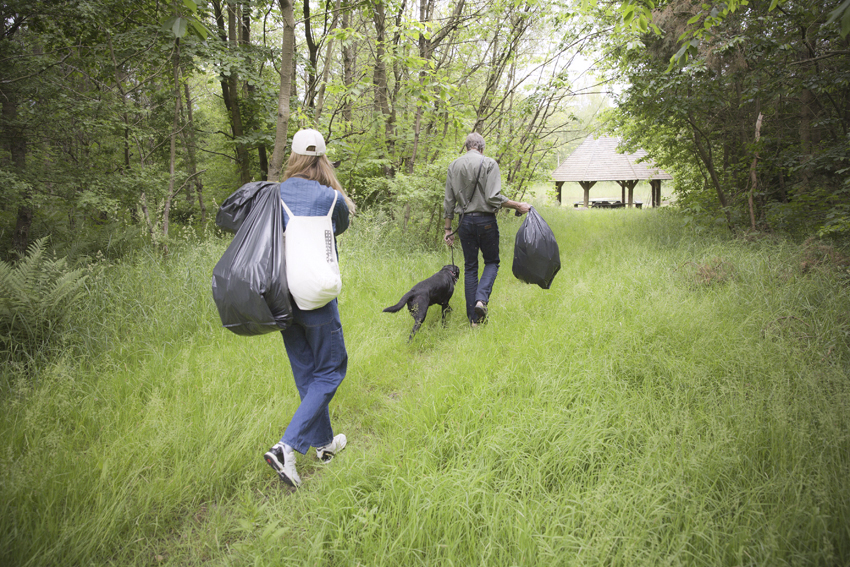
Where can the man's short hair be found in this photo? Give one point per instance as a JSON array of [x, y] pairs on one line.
[[474, 141]]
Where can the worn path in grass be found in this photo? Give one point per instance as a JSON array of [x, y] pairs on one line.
[[674, 398]]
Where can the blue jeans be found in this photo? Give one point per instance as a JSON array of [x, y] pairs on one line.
[[318, 358], [479, 233]]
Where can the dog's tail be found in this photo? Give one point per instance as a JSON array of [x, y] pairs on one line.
[[400, 304]]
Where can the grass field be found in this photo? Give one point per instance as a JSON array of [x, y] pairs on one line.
[[676, 398]]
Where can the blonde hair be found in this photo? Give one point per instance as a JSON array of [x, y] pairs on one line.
[[316, 168]]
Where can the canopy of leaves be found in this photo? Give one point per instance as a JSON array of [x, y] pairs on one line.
[[783, 61]]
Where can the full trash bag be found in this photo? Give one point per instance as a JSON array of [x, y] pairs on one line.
[[249, 282], [536, 255], [236, 208]]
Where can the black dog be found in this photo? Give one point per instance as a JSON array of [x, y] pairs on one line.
[[436, 290]]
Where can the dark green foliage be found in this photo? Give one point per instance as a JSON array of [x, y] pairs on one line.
[[699, 121]]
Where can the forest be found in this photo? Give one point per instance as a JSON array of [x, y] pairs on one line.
[[679, 396], [123, 122]]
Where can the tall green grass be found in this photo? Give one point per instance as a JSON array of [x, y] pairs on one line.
[[675, 398]]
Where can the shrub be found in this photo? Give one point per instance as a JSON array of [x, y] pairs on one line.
[[36, 295]]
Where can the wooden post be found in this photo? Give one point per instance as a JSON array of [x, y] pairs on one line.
[[656, 192], [558, 186], [586, 185], [630, 185]]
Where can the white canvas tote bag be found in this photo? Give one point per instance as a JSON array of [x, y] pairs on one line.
[[312, 267]]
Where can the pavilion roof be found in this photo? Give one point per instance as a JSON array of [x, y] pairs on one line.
[[596, 159]]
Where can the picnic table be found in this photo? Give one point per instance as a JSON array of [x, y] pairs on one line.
[[606, 203]]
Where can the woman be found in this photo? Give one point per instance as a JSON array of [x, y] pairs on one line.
[[314, 341]]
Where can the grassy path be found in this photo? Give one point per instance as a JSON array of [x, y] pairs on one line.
[[675, 398]]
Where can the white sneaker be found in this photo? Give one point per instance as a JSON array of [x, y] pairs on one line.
[[284, 465], [327, 452]]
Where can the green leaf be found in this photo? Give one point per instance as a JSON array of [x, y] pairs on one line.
[[191, 6], [843, 12], [176, 25], [166, 26], [179, 27], [199, 29]]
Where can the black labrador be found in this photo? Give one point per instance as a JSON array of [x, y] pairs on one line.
[[436, 290]]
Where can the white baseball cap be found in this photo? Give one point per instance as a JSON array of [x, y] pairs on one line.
[[308, 143]]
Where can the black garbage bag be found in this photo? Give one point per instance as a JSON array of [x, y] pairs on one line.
[[536, 255], [249, 282], [236, 208]]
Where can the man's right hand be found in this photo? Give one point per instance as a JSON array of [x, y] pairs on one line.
[[520, 208]]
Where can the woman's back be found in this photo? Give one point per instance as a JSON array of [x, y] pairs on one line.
[[310, 198]]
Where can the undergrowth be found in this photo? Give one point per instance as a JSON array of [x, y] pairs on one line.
[[674, 398]]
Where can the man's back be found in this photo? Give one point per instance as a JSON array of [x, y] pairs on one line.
[[475, 179]]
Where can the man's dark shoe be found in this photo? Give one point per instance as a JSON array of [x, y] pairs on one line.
[[480, 311]]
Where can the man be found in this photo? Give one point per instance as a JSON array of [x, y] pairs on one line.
[[473, 190]]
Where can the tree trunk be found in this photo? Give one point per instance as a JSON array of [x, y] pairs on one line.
[[705, 156], [189, 140], [16, 144], [166, 209], [252, 120], [230, 34], [501, 56], [424, 53], [753, 176], [313, 57], [233, 33], [427, 44], [379, 76], [320, 96], [348, 62], [286, 56]]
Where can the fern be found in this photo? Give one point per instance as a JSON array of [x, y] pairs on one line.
[[36, 298]]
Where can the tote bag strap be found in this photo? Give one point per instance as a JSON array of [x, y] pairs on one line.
[[285, 208], [331, 210]]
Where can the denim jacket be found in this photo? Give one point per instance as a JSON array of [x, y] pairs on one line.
[[310, 198]]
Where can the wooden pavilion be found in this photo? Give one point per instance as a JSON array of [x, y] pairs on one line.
[[596, 159]]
